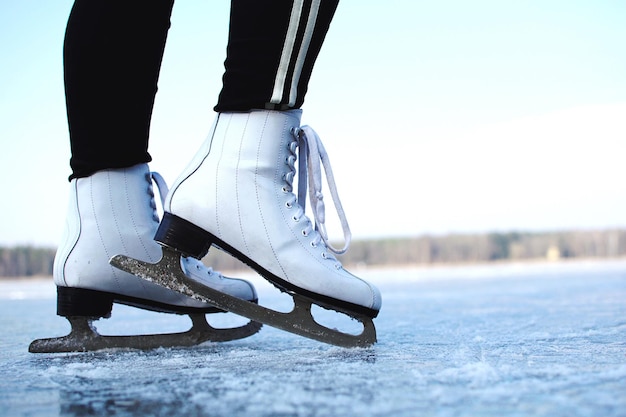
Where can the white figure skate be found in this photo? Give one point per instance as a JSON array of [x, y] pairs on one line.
[[238, 194], [112, 212]]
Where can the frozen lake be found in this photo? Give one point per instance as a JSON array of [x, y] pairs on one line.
[[503, 340]]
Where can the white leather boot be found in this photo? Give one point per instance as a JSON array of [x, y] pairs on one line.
[[237, 194], [113, 212]]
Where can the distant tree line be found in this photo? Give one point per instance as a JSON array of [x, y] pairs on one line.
[[28, 261], [471, 248]]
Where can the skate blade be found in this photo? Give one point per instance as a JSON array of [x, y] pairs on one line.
[[84, 338], [167, 273]]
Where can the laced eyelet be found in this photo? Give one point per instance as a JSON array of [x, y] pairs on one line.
[[313, 245], [295, 219], [288, 205], [324, 255]]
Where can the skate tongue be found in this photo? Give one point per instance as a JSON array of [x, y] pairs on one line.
[[312, 157]]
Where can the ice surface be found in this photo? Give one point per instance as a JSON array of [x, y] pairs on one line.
[[507, 340]]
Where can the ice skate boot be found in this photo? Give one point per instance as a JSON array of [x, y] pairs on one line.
[[238, 194], [111, 212]]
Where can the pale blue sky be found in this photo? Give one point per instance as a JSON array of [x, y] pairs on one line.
[[446, 116]]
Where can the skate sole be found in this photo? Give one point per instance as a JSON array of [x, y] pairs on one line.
[[75, 302], [190, 240], [299, 321]]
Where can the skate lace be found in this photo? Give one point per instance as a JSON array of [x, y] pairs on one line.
[[163, 190], [312, 157], [161, 186]]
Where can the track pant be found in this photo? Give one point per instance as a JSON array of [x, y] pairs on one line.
[[112, 57]]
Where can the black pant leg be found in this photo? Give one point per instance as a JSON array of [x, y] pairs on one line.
[[272, 47], [112, 57]]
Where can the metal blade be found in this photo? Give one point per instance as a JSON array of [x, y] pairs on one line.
[[167, 273], [84, 338]]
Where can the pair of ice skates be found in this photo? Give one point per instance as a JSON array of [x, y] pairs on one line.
[[237, 194]]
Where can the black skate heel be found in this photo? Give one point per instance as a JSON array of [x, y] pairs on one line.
[[80, 302], [183, 236]]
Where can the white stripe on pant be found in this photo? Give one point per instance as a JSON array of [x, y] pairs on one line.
[[288, 52]]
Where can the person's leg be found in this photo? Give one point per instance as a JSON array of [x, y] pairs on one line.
[[238, 192], [113, 52], [112, 57]]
